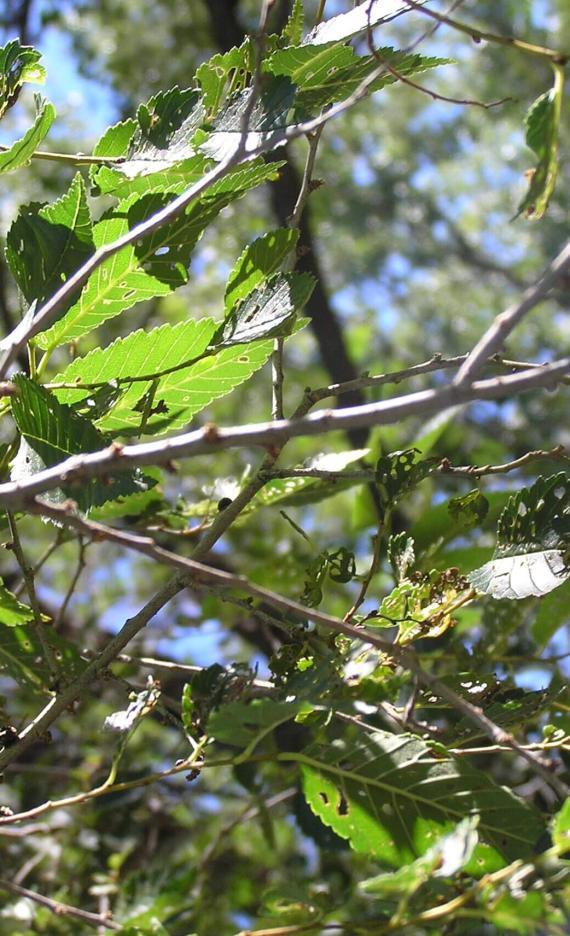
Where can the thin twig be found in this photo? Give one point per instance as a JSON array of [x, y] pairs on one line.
[[28, 577], [64, 699], [493, 339], [552, 55], [558, 453], [192, 571], [41, 561], [60, 909], [277, 379], [72, 585], [374, 566]]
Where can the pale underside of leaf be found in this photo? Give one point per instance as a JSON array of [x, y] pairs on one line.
[[521, 576]]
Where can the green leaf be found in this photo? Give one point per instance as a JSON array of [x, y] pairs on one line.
[[22, 656], [532, 537], [244, 725], [328, 73], [470, 509], [444, 859], [552, 614], [266, 123], [258, 261], [561, 826], [187, 709], [363, 17], [155, 266], [46, 245], [542, 125], [223, 75], [141, 354], [268, 310], [20, 153], [157, 141], [293, 30], [181, 395], [54, 432], [12, 611], [391, 797], [294, 492], [18, 64]]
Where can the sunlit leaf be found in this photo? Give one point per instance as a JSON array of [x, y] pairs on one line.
[[390, 796], [258, 261], [12, 611]]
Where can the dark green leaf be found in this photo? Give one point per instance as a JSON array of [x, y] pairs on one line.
[[22, 656], [399, 472], [18, 64], [52, 432], [46, 245], [470, 509], [268, 310]]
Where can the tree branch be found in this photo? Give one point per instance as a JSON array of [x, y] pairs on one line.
[[493, 339], [210, 438], [189, 570]]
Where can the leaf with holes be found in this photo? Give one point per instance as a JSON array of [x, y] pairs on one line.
[[20, 153], [510, 709], [399, 472], [533, 537], [422, 607], [391, 796], [131, 364], [18, 64], [46, 245], [269, 310], [12, 611], [259, 260], [53, 432], [154, 266], [178, 396], [223, 75]]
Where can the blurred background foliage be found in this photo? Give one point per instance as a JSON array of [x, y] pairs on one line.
[[416, 250]]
